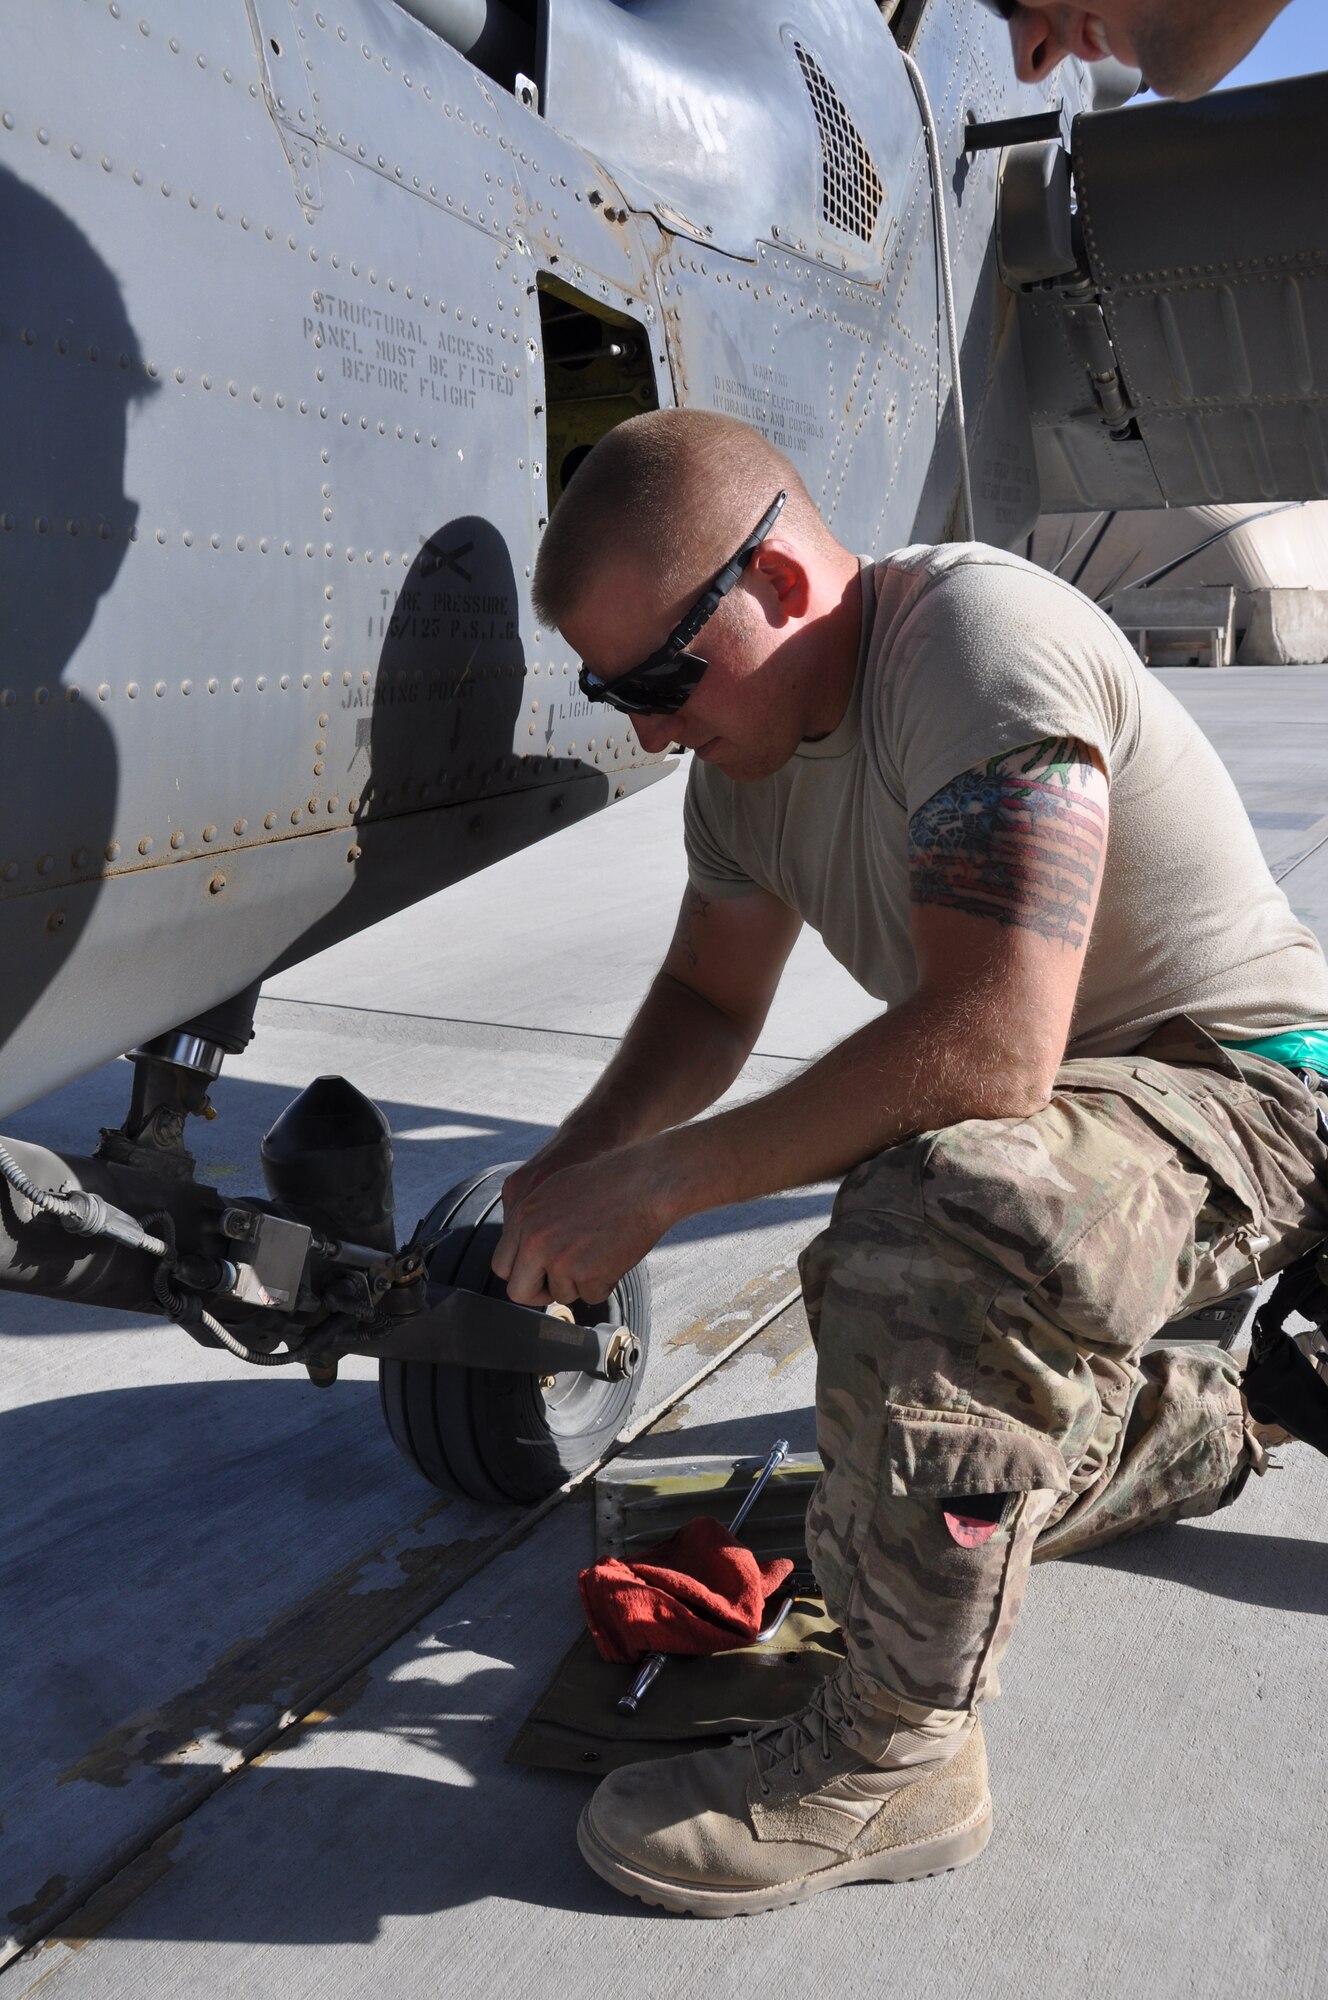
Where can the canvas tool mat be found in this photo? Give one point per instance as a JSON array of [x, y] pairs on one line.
[[576, 1725]]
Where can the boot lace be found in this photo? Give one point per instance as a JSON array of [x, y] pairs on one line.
[[826, 1721]]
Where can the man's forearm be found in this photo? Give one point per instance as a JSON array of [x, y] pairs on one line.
[[919, 1067], [679, 1054], [916, 1069]]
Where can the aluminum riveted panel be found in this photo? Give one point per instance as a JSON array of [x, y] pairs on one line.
[[277, 416], [283, 479], [846, 371], [727, 129]]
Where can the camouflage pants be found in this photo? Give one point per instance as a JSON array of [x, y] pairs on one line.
[[980, 1302]]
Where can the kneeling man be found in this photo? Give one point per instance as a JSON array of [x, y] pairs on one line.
[[1076, 1120]]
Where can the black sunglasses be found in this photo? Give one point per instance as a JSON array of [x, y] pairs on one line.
[[661, 684], [1007, 9]]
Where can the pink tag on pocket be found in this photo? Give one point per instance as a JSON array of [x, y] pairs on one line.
[[968, 1530]]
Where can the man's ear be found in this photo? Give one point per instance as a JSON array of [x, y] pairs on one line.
[[781, 582]]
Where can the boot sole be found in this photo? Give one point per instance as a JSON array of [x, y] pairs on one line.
[[939, 1855]]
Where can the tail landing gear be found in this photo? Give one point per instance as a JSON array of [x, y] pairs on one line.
[[490, 1433]]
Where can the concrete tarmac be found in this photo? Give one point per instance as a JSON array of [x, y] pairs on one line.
[[197, 1553]]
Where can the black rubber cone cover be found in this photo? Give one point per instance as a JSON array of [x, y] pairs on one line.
[[328, 1159]]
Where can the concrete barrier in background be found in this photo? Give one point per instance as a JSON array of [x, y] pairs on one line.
[[1285, 627]]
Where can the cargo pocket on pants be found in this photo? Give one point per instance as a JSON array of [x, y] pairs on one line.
[[958, 1453], [935, 1599], [1191, 1118]]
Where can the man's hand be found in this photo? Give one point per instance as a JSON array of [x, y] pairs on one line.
[[570, 1146], [580, 1229]]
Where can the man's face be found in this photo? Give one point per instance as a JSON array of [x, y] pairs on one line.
[[1183, 47], [743, 716]]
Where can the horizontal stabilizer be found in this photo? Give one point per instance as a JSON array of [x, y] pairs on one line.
[[1185, 359]]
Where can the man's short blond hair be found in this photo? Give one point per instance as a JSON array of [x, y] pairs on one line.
[[674, 493]]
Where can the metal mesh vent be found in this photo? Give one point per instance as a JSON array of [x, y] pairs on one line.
[[851, 190]]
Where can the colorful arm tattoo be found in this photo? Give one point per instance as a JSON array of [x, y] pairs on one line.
[[1018, 840]]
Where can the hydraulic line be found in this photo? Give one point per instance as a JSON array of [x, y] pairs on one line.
[[87, 1214], [83, 1213], [255, 1356], [915, 77], [189, 1313], [40, 1197]]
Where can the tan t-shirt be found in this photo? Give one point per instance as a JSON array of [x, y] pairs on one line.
[[967, 653]]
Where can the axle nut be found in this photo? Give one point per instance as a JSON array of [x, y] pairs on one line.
[[623, 1355]]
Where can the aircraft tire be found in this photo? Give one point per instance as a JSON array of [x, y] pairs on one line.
[[485, 1432]]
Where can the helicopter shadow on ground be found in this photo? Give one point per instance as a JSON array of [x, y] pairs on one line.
[[366, 1847], [139, 1537], [366, 1844], [365, 1840], [65, 396], [140, 1546], [129, 1581], [739, 1438]]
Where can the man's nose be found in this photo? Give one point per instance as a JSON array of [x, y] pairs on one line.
[[1037, 44]]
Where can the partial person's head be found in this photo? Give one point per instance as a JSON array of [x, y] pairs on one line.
[[1183, 47], [659, 507]]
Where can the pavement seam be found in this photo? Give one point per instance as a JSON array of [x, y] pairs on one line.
[[452, 1031], [132, 1854], [445, 1030], [1290, 867]]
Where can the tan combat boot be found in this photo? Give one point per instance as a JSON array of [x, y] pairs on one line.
[[797, 1807]]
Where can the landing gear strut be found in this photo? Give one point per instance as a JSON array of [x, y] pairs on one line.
[[483, 1396]]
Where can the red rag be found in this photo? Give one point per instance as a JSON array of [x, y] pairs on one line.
[[698, 1592]]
